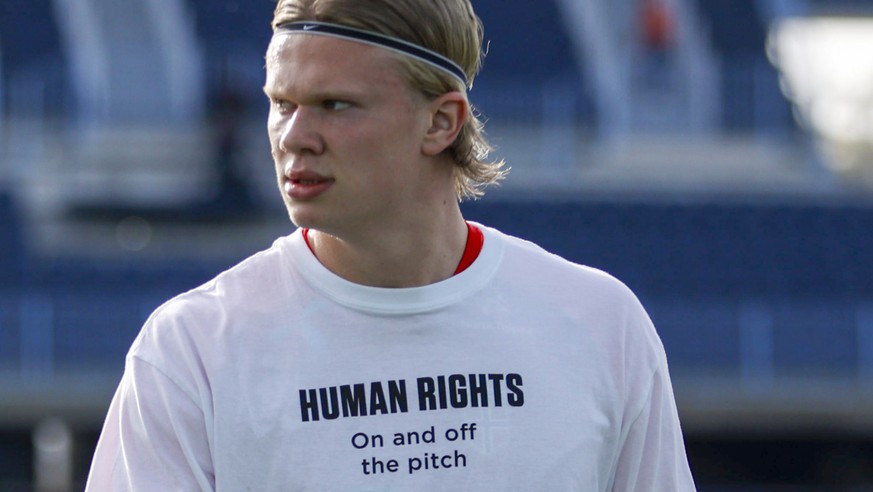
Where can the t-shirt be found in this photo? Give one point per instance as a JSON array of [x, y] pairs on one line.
[[524, 372]]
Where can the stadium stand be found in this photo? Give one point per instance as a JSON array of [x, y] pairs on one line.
[[234, 36], [706, 271], [12, 260], [701, 268], [28, 33], [735, 26], [96, 307], [227, 25], [738, 34], [30, 53], [527, 65], [724, 250], [12, 247]]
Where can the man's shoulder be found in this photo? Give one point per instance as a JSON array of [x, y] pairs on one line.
[[247, 279], [195, 316], [555, 284], [538, 268], [524, 252]]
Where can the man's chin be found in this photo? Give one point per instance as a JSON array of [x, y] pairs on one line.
[[302, 218]]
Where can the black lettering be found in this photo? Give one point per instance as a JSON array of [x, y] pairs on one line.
[[377, 400], [360, 440], [460, 459], [375, 466], [458, 391], [496, 379], [478, 390], [330, 408], [308, 405], [354, 400], [397, 396], [441, 394], [426, 394], [515, 397]]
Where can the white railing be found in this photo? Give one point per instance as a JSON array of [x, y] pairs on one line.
[[183, 58], [85, 50], [591, 32]]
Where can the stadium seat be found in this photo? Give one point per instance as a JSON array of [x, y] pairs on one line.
[[31, 53], [696, 265]]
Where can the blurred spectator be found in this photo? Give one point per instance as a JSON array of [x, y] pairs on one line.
[[227, 118], [658, 37]]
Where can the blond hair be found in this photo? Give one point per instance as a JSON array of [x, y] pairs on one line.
[[448, 27]]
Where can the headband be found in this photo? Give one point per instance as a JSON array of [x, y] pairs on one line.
[[420, 53]]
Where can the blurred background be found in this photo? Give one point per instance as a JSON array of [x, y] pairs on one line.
[[715, 155]]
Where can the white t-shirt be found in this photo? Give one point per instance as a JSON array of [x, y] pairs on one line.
[[524, 372]]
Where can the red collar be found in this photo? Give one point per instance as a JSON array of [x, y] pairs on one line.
[[475, 240]]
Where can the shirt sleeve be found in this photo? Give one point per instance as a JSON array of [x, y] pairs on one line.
[[154, 437], [652, 457]]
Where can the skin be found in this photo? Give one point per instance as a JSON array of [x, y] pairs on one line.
[[360, 160]]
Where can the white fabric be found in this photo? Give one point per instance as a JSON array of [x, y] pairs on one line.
[[554, 378]]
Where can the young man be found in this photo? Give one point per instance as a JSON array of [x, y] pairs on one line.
[[387, 344]]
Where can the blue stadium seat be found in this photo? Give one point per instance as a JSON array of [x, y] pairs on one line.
[[225, 26], [12, 258], [234, 35], [94, 330], [9, 333], [12, 247], [694, 265], [28, 32], [751, 95], [735, 26], [98, 306], [701, 336], [815, 338], [734, 251], [31, 48], [525, 63]]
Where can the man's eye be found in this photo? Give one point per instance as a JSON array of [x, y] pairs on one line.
[[282, 106], [336, 105]]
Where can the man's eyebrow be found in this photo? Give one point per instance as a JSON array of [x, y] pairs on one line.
[[319, 94], [272, 91]]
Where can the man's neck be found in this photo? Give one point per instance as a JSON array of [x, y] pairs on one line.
[[396, 257]]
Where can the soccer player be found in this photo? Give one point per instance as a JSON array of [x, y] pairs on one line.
[[388, 344]]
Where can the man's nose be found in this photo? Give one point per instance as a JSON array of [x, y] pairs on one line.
[[298, 133]]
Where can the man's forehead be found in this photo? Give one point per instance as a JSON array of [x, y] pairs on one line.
[[334, 62], [285, 48], [382, 41]]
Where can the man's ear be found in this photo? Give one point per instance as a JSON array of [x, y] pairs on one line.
[[448, 115]]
